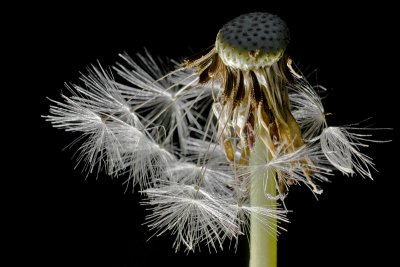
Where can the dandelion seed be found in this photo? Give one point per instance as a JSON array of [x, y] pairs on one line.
[[160, 102], [267, 216], [202, 94], [204, 149], [215, 177], [102, 96], [307, 108], [98, 112], [144, 159], [114, 138], [193, 215], [303, 165], [342, 149]]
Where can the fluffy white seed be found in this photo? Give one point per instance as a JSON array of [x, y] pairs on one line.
[[193, 215], [298, 166], [99, 112], [307, 108], [215, 177], [342, 149], [162, 103]]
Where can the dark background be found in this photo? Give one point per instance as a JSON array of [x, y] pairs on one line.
[[59, 218]]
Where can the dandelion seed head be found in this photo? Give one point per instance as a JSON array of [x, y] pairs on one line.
[[252, 41], [265, 131]]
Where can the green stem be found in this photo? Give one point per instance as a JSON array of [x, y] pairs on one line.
[[263, 238]]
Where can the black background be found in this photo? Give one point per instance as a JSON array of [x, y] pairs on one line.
[[59, 218]]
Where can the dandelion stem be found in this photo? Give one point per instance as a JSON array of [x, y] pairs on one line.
[[263, 237]]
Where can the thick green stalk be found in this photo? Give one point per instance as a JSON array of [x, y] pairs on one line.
[[263, 238]]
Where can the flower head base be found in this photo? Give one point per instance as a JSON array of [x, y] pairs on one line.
[[252, 41]]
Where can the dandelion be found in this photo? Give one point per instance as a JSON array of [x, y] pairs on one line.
[[210, 178]]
